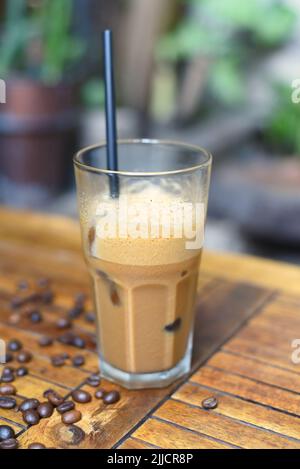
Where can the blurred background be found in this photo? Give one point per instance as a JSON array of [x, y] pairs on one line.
[[217, 73]]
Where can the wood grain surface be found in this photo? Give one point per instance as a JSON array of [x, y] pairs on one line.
[[247, 316]]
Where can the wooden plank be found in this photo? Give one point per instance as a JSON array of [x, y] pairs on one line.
[[248, 389], [250, 369], [134, 443], [222, 428], [239, 409], [169, 436]]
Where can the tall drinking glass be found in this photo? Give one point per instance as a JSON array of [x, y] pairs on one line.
[[143, 248]]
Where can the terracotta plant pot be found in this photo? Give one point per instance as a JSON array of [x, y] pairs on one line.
[[38, 129]]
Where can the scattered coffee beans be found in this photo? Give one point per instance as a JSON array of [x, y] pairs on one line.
[[45, 410], [210, 403], [45, 341], [71, 417], [54, 398], [22, 371], [63, 323], [36, 446], [58, 360], [93, 380], [99, 394], [81, 396], [24, 356], [31, 417], [14, 345], [78, 360], [6, 432], [111, 397], [29, 404], [90, 317], [7, 390], [12, 443], [7, 402], [65, 407]]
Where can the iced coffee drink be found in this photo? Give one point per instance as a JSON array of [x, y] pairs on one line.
[[144, 266]]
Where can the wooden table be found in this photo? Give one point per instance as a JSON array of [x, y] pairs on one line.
[[248, 314]]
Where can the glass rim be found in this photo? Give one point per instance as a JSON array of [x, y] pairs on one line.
[[144, 141]]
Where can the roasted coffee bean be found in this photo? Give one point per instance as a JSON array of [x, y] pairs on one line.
[[43, 282], [12, 443], [29, 404], [47, 296], [90, 317], [19, 301], [7, 370], [75, 312], [45, 410], [14, 345], [23, 285], [65, 407], [9, 357], [65, 355], [111, 397], [66, 339], [8, 378], [174, 326], [54, 397], [78, 360], [81, 396], [24, 356], [7, 402], [58, 360], [71, 417], [7, 390], [78, 342], [6, 432], [35, 316], [45, 341], [16, 302], [99, 394], [63, 323], [210, 403], [31, 417], [22, 371], [93, 380], [36, 446]]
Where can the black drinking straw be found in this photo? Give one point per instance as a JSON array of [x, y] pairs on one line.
[[110, 112]]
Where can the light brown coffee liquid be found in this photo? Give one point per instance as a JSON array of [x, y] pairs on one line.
[[145, 312]]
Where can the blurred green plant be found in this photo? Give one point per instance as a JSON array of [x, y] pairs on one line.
[[282, 127], [93, 94], [230, 32], [37, 39]]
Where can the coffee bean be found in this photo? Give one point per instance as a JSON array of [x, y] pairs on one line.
[[31, 417], [9, 357], [79, 342], [35, 316], [7, 403], [8, 378], [6, 432], [45, 341], [16, 302], [111, 397], [99, 394], [29, 404], [81, 396], [47, 296], [14, 345], [36, 446], [58, 360], [66, 339], [65, 407], [210, 403], [12, 443], [24, 356], [78, 360], [65, 355], [75, 312], [93, 380], [19, 301], [7, 370], [45, 410], [90, 317], [174, 326], [54, 398], [71, 417], [22, 371], [7, 390], [43, 282], [63, 323]]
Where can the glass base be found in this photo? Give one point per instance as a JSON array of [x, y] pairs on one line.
[[159, 379]]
